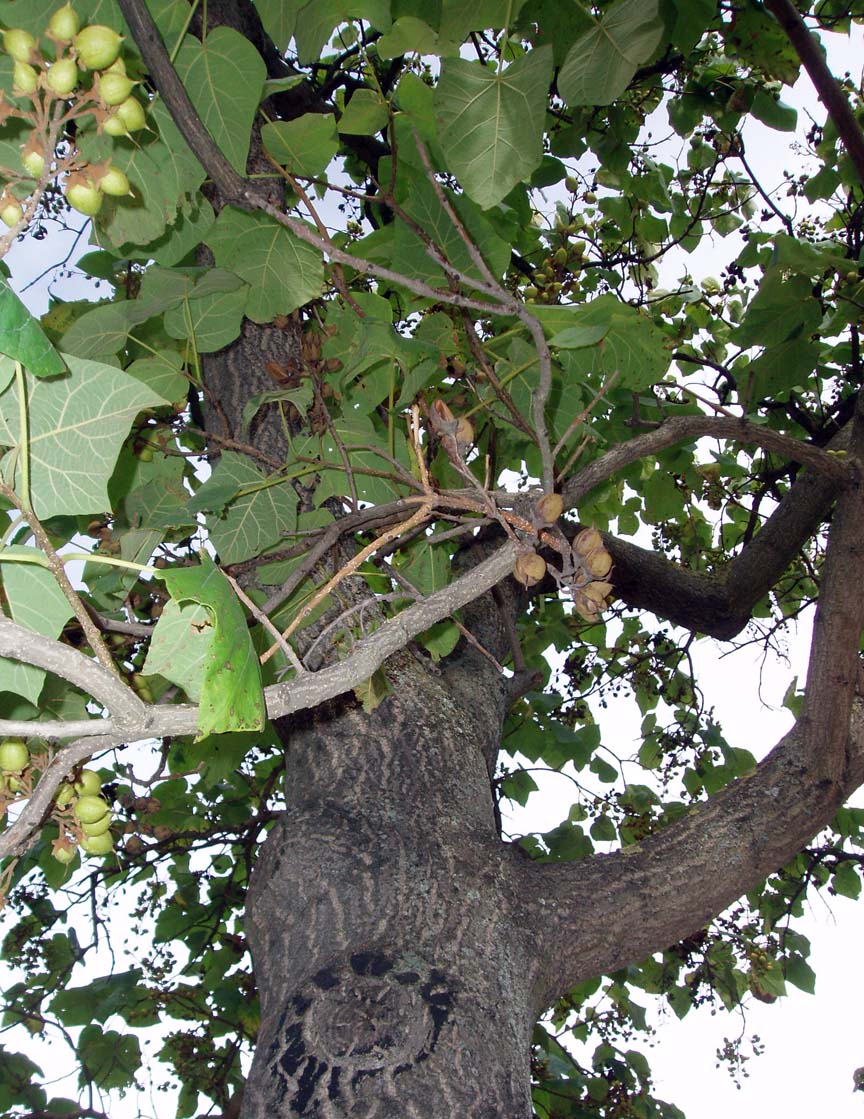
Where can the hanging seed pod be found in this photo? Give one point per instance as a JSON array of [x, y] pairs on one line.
[[588, 540], [549, 508], [597, 563], [529, 569]]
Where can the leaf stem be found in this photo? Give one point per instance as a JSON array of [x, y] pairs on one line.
[[23, 436]]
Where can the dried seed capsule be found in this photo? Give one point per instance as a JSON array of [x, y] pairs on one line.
[[549, 508], [529, 569]]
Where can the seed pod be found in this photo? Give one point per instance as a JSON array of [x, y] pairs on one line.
[[89, 809], [464, 432], [529, 569], [62, 77], [597, 592], [549, 508], [588, 540], [11, 212], [64, 24], [98, 844], [115, 184], [19, 44], [83, 195], [598, 563], [24, 78], [113, 88], [127, 117], [97, 46]]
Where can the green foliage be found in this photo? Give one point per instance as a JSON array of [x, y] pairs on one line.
[[481, 230]]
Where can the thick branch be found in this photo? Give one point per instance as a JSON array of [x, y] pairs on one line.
[[308, 691], [646, 897], [20, 644], [830, 93], [595, 916]]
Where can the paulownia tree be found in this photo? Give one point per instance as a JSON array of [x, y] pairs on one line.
[[333, 499]]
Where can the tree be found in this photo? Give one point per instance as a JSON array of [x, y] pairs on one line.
[[354, 454]]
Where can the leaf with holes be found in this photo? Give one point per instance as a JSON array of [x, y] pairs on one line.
[[231, 695]]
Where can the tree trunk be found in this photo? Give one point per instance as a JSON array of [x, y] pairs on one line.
[[393, 977]]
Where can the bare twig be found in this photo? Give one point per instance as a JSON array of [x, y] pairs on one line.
[[262, 618]]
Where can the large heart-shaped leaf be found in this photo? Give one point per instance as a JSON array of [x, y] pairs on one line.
[[490, 122], [282, 271], [223, 77], [77, 426], [602, 62]]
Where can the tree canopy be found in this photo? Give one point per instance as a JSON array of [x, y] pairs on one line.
[[407, 435]]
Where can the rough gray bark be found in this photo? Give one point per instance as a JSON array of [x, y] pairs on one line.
[[403, 951], [392, 974]]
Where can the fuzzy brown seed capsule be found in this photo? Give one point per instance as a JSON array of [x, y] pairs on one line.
[[529, 569], [464, 432], [588, 540], [598, 563], [549, 508]]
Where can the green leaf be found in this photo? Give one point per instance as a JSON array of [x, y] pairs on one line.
[[800, 974], [441, 639], [180, 646], [317, 19], [784, 306], [776, 114], [410, 255], [279, 18], [283, 272], [783, 367], [253, 521], [577, 337], [518, 786], [490, 122], [365, 114], [120, 993], [77, 426], [304, 146], [161, 373], [373, 691], [23, 339], [601, 63], [631, 345], [211, 315], [108, 1059], [36, 602], [410, 35], [458, 18], [223, 76], [231, 695]]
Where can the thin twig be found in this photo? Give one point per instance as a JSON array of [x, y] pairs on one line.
[[349, 568], [256, 613], [55, 564]]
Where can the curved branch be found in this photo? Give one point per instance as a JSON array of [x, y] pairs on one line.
[[830, 93], [685, 428], [671, 884], [19, 837], [246, 194], [21, 644]]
